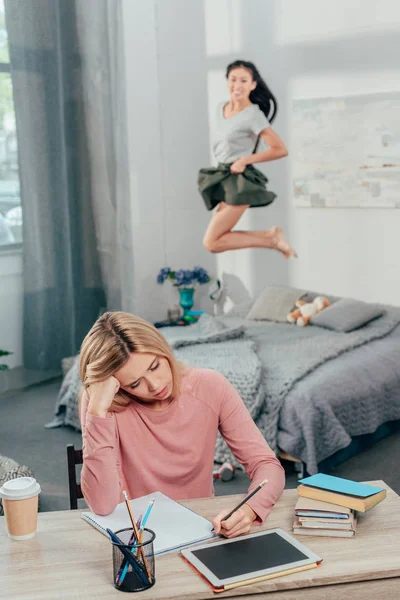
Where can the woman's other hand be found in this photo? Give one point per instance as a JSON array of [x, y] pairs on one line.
[[101, 396], [238, 166], [237, 524]]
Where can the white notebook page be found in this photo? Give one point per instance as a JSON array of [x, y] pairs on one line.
[[174, 525]]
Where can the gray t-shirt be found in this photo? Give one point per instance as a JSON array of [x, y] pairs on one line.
[[237, 136]]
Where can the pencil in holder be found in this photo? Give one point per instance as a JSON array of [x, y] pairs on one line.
[[133, 562]]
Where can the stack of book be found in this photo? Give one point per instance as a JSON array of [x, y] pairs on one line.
[[323, 518], [328, 506]]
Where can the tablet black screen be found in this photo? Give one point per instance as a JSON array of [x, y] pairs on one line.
[[247, 556]]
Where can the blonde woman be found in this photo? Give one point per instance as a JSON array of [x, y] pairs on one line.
[[150, 423]]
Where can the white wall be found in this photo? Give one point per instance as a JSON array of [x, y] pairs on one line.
[[345, 48], [168, 141], [11, 307]]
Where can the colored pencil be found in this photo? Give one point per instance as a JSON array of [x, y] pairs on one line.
[[124, 567], [129, 557], [141, 552]]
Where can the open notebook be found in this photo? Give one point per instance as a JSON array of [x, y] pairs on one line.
[[175, 525]]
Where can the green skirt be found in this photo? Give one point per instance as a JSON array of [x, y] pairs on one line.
[[218, 184]]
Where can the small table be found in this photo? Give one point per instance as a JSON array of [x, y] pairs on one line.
[[181, 322], [70, 559], [171, 323]]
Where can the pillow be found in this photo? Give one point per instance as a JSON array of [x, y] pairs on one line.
[[274, 303], [347, 314]]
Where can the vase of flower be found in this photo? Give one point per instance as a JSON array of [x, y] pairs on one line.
[[186, 299], [186, 281]]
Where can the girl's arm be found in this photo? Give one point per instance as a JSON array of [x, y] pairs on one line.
[[100, 477], [252, 451], [277, 149]]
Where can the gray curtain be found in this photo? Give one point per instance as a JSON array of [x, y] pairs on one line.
[[67, 69]]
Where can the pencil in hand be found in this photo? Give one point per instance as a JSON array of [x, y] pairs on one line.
[[257, 489]]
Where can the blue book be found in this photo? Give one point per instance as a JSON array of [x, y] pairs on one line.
[[343, 492], [320, 515], [341, 486]]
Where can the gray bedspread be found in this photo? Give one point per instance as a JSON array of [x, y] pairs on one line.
[[288, 355], [351, 394]]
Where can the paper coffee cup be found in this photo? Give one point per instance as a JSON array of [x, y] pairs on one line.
[[20, 501]]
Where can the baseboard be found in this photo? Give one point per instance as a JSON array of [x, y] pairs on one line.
[[19, 378]]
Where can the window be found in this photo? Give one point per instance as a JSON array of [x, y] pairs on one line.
[[10, 201]]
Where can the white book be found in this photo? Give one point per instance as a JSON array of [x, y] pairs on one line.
[[175, 525], [320, 525], [352, 519], [307, 507], [323, 532], [325, 525]]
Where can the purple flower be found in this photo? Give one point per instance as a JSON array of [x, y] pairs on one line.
[[181, 277], [184, 277], [201, 275], [163, 274]]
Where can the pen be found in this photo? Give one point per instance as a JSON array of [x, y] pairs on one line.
[[258, 488]]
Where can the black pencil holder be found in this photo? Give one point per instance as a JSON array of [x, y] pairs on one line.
[[133, 563]]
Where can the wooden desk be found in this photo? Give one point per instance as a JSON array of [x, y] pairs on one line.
[[70, 559]]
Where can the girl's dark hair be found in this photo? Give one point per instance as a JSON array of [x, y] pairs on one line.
[[262, 95]]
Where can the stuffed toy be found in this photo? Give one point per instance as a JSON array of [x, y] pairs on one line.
[[306, 310]]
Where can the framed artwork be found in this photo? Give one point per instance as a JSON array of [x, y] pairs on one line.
[[346, 151]]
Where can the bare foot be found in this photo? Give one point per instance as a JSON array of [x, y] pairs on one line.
[[277, 241]]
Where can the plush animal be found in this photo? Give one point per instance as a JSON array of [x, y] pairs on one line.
[[306, 310]]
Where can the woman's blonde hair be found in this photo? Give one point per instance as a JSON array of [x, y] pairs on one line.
[[110, 342]]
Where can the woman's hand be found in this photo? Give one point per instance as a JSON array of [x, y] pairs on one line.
[[238, 524], [101, 396], [238, 166]]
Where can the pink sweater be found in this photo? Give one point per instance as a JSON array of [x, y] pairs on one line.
[[142, 450]]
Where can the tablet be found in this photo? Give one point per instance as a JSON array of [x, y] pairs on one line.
[[249, 556]]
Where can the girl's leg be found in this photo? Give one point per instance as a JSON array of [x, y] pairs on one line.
[[219, 237]]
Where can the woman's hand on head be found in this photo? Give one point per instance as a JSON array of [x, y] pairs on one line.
[[101, 396], [238, 166], [237, 524]]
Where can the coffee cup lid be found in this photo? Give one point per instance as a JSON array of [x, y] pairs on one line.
[[20, 488]]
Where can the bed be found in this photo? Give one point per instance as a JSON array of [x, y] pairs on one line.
[[347, 402], [313, 392]]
